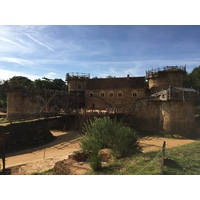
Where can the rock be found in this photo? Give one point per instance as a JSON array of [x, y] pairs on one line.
[[61, 167], [105, 155]]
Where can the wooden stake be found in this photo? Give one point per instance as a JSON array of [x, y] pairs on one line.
[[44, 154], [163, 157]]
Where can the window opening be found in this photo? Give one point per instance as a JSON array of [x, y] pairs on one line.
[[120, 94], [102, 94], [111, 94], [135, 94], [79, 86]]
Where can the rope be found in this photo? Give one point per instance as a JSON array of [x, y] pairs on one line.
[[149, 163]]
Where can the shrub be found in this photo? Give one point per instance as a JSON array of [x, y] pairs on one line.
[[107, 133], [125, 142], [100, 129]]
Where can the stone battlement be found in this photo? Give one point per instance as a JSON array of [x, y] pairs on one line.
[[155, 72]]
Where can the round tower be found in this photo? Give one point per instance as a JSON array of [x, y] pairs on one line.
[[161, 78]]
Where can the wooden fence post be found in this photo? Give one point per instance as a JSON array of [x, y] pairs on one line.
[[163, 157], [44, 154], [3, 152]]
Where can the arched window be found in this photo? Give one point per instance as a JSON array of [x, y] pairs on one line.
[[135, 94]]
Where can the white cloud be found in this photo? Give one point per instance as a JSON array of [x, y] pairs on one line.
[[19, 61], [7, 74], [51, 75], [39, 42], [9, 41], [133, 68]]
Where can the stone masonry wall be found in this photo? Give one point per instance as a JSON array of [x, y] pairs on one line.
[[26, 103], [26, 134], [77, 84], [102, 102], [170, 117], [31, 133], [178, 118], [162, 80], [147, 115]]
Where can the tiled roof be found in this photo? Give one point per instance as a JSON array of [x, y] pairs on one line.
[[115, 83]]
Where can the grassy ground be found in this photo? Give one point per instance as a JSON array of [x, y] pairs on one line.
[[183, 160], [186, 160]]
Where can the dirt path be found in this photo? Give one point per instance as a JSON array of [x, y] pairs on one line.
[[155, 143], [44, 157]]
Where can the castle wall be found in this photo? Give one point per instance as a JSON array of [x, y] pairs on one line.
[[178, 117], [26, 103], [22, 103], [148, 115], [25, 134], [170, 117]]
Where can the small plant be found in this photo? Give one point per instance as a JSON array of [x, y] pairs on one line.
[[95, 161], [93, 146]]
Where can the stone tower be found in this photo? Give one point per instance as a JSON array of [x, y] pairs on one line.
[[76, 87], [77, 81], [23, 102], [15, 100], [170, 107], [161, 78]]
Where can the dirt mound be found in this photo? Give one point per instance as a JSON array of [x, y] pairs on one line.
[[70, 167]]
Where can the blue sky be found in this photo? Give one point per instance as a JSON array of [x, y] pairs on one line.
[[52, 51]]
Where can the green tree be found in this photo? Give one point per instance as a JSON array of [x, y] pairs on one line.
[[22, 80], [3, 100], [59, 84], [193, 79], [56, 84], [42, 84], [109, 76]]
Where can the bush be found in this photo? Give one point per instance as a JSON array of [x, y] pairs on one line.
[[106, 133], [100, 129]]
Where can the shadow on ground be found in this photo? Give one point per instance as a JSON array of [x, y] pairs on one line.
[[69, 137]]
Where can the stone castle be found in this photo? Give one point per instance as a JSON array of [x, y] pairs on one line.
[[157, 101]]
